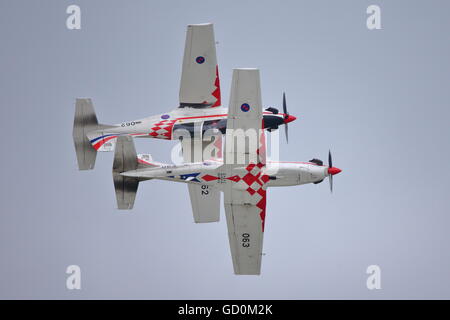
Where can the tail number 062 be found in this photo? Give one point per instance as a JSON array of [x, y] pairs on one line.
[[245, 240], [205, 191]]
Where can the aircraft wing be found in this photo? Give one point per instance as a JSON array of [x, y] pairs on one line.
[[205, 199], [200, 85], [245, 183], [245, 221], [205, 202], [200, 88], [245, 116], [245, 108]]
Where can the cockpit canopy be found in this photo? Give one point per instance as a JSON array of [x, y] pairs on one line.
[[317, 161], [273, 110]]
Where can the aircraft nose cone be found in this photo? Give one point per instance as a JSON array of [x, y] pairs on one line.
[[333, 170], [289, 118]]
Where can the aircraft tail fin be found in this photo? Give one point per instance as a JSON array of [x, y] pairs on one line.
[[84, 122], [125, 159]]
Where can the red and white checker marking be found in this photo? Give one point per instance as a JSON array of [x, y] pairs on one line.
[[255, 179], [216, 92], [162, 129]]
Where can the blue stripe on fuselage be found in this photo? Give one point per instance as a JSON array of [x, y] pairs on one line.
[[106, 135]]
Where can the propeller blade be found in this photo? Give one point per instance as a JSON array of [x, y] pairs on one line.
[[284, 104], [331, 170], [286, 115], [286, 132], [330, 165], [330, 160]]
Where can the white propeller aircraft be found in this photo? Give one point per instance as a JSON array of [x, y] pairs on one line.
[[243, 176], [199, 109]]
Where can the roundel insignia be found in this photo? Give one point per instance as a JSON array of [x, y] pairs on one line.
[[165, 116], [200, 59], [245, 107]]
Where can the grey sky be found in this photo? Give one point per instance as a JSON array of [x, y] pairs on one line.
[[378, 99]]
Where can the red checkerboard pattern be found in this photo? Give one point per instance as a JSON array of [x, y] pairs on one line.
[[255, 179], [162, 129]]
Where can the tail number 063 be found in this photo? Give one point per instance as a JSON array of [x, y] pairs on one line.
[[245, 240]]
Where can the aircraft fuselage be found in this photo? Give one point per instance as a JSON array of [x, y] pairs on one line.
[[211, 172], [163, 126]]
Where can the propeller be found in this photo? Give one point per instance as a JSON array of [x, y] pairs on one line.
[[273, 124], [286, 116], [330, 165], [331, 170]]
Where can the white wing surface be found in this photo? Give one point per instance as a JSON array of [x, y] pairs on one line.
[[245, 182], [205, 199], [200, 87]]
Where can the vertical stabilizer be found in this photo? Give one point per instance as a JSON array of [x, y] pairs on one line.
[[84, 122]]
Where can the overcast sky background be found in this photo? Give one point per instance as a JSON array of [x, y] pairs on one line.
[[379, 99]]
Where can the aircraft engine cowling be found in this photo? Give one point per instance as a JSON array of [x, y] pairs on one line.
[[272, 122]]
